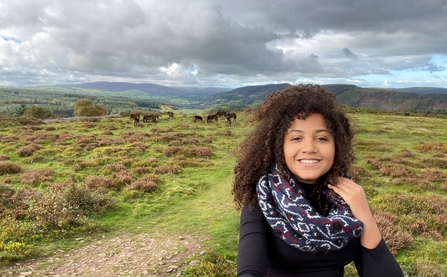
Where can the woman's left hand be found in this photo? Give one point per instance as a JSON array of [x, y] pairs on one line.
[[355, 197]]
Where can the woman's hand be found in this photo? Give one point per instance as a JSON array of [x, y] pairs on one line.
[[355, 197]]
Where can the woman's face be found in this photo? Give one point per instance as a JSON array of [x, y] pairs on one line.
[[309, 148]]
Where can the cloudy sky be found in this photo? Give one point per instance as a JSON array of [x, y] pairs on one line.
[[225, 43]]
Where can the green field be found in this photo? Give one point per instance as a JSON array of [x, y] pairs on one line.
[[63, 180]]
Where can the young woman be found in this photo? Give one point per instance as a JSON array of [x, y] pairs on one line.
[[301, 214]]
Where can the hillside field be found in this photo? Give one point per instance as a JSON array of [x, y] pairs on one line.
[[101, 177]]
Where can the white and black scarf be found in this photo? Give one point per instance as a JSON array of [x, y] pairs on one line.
[[294, 220]]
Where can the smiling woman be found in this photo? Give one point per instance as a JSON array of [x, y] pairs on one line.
[[301, 215]]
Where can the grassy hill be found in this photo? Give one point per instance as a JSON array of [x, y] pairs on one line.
[[119, 97], [64, 180]]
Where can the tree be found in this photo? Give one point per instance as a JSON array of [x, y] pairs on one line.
[[21, 110], [37, 112], [85, 107]]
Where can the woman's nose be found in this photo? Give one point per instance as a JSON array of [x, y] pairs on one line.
[[308, 146]]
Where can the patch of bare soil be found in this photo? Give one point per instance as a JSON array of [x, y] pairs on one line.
[[123, 255]]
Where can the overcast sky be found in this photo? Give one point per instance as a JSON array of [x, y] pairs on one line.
[[224, 43]]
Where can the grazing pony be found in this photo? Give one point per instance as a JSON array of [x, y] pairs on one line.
[[170, 114], [227, 120], [221, 113], [136, 119], [196, 118], [231, 115], [152, 117], [212, 117]]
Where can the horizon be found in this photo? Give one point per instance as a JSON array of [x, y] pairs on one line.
[[221, 87]]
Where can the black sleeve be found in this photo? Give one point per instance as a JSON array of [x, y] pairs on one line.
[[377, 262], [252, 251]]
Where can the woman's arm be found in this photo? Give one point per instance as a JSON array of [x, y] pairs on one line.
[[375, 259], [252, 251], [377, 262], [354, 195]]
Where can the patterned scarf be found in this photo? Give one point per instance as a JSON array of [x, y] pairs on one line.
[[295, 221]]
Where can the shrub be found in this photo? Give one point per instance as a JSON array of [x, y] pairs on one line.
[[164, 169], [37, 112], [38, 176], [358, 172], [434, 175], [203, 152], [122, 178], [4, 157], [211, 264], [116, 167], [28, 150], [96, 182], [395, 238], [397, 171], [145, 184], [85, 107], [7, 167]]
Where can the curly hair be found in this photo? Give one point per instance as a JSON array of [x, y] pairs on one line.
[[264, 145]]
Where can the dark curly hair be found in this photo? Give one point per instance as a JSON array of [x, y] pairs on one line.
[[264, 145]]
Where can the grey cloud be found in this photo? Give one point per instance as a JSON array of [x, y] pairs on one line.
[[217, 41], [349, 54]]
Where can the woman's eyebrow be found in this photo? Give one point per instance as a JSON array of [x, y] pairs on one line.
[[317, 131]]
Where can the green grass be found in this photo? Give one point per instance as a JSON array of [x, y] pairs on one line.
[[396, 155]]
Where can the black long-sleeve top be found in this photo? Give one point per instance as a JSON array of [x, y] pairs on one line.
[[261, 253]]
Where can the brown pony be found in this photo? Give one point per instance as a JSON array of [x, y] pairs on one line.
[[197, 118], [212, 117], [231, 115], [136, 119]]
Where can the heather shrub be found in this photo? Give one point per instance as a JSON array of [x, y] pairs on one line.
[[434, 163], [203, 152], [8, 138], [96, 182], [434, 175], [122, 178], [7, 167], [38, 176], [357, 172], [39, 138], [407, 153], [432, 146], [141, 170], [164, 169], [4, 157], [28, 150], [145, 184], [91, 203], [393, 236], [116, 167], [173, 150], [397, 171]]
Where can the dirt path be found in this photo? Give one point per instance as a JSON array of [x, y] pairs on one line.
[[125, 254]]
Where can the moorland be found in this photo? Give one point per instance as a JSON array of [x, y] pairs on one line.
[[102, 177]]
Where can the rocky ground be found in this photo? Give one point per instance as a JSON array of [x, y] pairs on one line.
[[122, 255]]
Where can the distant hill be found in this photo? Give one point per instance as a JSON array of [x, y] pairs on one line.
[[422, 99], [149, 88], [423, 90]]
